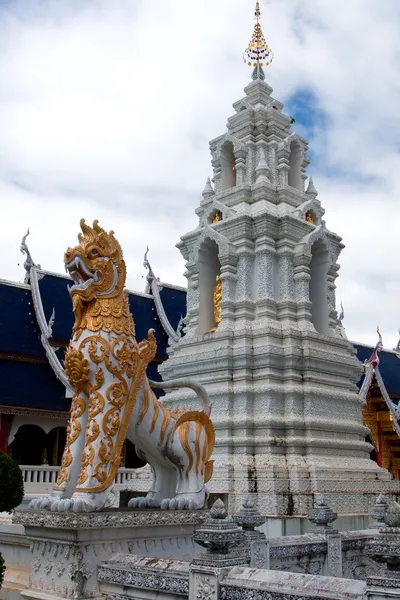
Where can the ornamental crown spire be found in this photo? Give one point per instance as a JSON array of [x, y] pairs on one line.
[[258, 54]]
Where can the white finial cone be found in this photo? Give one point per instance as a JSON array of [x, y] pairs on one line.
[[262, 170], [208, 190], [311, 190]]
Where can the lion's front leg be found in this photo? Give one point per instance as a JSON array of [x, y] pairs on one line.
[[70, 464], [110, 408]]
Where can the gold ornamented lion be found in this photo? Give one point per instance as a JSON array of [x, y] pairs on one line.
[[113, 400]]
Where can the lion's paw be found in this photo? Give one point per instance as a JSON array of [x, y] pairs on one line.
[[183, 502], [83, 502], [143, 502], [46, 502]]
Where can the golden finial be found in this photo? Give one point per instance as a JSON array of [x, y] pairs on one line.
[[258, 54]]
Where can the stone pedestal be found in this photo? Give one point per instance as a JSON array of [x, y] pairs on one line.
[[67, 548]]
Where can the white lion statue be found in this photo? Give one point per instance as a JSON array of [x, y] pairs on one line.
[[113, 400]]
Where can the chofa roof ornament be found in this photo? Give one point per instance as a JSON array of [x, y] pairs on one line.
[[397, 349], [258, 54], [374, 358], [32, 277], [372, 368], [152, 288], [28, 263], [340, 319]]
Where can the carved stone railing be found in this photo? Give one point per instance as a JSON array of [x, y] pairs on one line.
[[39, 479]]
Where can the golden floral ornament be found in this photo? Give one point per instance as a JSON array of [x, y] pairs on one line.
[[76, 369]]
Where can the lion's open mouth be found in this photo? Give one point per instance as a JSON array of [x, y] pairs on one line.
[[81, 275]]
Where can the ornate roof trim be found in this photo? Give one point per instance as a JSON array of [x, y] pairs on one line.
[[371, 369], [46, 329], [152, 285], [32, 277]]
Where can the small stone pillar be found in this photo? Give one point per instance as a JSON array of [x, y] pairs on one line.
[[224, 543], [248, 518], [385, 548], [322, 516], [378, 512]]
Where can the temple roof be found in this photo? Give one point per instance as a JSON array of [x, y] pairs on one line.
[[389, 367], [28, 379]]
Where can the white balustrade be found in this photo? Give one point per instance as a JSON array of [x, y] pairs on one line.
[[41, 479]]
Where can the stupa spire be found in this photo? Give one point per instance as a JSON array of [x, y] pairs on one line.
[[258, 54]]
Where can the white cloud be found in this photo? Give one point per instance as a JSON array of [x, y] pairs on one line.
[[106, 109]]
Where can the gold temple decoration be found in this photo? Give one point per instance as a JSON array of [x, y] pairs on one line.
[[217, 217], [217, 298], [102, 305], [309, 217], [258, 54]]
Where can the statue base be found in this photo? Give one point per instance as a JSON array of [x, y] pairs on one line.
[[67, 548]]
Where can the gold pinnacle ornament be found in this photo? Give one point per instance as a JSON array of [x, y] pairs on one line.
[[258, 54]]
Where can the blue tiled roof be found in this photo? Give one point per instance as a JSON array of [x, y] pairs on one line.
[[34, 385], [31, 385], [389, 367], [19, 332]]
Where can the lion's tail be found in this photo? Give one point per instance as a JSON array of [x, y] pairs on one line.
[[202, 422], [200, 390]]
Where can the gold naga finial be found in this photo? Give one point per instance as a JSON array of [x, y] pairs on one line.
[[258, 54]]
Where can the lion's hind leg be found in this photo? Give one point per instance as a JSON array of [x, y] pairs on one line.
[[70, 464], [191, 445], [163, 486]]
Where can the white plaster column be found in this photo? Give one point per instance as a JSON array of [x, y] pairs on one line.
[[251, 162], [272, 162], [283, 166], [332, 275], [240, 166], [217, 175], [286, 308], [192, 301], [334, 558], [264, 282], [244, 285], [229, 280], [302, 289]]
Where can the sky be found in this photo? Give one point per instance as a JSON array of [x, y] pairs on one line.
[[107, 108]]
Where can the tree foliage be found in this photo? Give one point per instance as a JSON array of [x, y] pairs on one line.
[[2, 569], [11, 483]]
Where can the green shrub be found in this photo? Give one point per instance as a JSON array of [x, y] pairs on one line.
[[2, 569], [11, 483]]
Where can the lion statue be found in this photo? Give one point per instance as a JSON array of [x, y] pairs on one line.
[[113, 399]]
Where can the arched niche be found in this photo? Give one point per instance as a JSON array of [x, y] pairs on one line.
[[29, 445], [319, 266], [209, 267], [215, 216], [311, 217], [295, 162], [228, 166]]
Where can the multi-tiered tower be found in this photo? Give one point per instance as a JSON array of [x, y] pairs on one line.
[[281, 377]]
